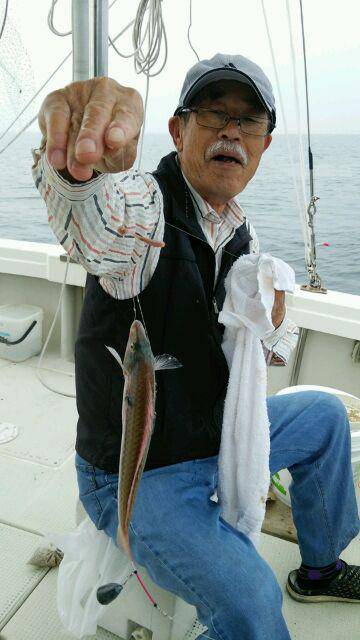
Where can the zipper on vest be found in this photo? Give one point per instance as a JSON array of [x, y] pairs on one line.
[[216, 308]]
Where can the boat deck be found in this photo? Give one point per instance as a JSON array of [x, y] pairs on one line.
[[38, 495]]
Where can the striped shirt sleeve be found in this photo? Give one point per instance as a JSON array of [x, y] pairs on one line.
[[105, 224]]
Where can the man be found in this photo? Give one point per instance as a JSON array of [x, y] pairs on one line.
[[115, 227]]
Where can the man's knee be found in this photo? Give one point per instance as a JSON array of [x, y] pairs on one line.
[[323, 407], [331, 410], [328, 414]]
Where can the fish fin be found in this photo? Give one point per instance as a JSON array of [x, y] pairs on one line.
[[116, 356], [166, 362]]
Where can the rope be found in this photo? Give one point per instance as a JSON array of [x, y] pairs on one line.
[[188, 32], [144, 61], [146, 57], [50, 21], [112, 42], [153, 30], [4, 19]]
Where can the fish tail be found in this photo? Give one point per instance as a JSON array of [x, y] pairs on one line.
[[123, 540]]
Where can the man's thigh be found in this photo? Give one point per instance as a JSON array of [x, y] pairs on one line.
[[177, 533]]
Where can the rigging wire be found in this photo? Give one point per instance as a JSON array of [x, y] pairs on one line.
[[306, 210], [307, 102], [4, 19], [18, 134], [315, 284], [188, 32], [300, 201], [303, 212], [33, 98]]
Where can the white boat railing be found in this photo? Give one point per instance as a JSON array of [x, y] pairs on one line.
[[337, 313]]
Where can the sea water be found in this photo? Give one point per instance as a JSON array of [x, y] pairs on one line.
[[269, 201]]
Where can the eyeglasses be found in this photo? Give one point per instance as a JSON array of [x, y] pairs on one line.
[[250, 124]]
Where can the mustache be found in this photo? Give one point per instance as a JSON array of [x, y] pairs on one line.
[[223, 146]]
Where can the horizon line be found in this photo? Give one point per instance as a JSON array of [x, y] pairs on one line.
[[281, 133]]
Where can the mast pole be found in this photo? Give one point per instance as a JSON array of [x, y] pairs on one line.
[[90, 31], [101, 37]]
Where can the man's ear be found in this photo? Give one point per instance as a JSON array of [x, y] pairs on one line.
[[176, 131], [267, 141]]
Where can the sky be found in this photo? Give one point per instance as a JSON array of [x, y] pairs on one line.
[[231, 26]]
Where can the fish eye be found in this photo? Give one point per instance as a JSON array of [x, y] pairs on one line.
[[132, 346]]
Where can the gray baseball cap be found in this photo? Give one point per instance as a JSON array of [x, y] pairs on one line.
[[227, 67]]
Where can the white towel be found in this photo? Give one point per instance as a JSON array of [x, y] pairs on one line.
[[244, 474]]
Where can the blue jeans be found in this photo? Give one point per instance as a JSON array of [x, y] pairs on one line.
[[177, 532]]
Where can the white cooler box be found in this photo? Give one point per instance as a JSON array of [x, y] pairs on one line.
[[281, 481], [15, 320]]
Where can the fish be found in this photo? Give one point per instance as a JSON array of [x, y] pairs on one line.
[[138, 418]]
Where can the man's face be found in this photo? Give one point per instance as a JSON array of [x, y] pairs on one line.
[[218, 181]]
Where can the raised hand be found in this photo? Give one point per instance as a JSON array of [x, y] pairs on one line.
[[94, 124]]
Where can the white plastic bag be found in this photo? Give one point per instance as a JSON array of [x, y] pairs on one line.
[[90, 561]]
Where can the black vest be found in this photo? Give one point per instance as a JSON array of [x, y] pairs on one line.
[[180, 308]]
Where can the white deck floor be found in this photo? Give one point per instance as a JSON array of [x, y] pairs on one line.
[[38, 494]]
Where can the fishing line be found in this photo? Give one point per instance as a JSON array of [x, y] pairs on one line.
[[198, 238], [38, 368], [195, 625], [135, 570], [142, 316], [134, 307]]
